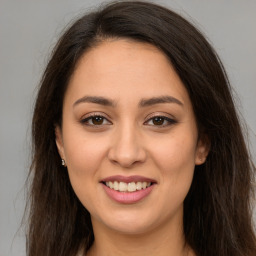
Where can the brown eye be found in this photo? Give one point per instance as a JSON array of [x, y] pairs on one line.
[[97, 120], [161, 121], [158, 120]]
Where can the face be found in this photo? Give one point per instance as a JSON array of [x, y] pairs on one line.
[[129, 137]]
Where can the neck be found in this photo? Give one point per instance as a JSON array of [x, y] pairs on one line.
[[162, 241]]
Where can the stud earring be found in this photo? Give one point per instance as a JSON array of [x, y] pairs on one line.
[[63, 163]]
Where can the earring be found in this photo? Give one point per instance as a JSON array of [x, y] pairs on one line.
[[63, 163]]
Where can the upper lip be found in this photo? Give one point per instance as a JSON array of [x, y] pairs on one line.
[[127, 179]]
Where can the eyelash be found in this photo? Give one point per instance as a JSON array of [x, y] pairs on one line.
[[165, 119], [86, 120], [169, 121]]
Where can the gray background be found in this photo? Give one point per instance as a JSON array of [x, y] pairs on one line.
[[28, 31]]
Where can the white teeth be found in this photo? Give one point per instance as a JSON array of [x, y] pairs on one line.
[[116, 185], [138, 185], [123, 186], [128, 187], [131, 187], [111, 185]]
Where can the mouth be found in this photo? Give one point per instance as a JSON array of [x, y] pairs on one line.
[[128, 189]]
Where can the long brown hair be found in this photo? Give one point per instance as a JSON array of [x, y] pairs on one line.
[[217, 209]]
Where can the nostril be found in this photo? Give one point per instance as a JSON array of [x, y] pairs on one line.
[[126, 152]]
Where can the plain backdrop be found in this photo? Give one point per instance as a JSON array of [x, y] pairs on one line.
[[29, 30]]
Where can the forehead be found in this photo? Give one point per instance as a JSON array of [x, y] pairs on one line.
[[124, 68]]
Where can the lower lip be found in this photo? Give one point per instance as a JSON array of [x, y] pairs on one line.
[[127, 197]]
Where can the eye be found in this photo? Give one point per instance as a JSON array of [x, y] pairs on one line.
[[161, 121], [95, 120]]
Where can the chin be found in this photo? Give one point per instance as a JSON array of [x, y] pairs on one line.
[[133, 223]]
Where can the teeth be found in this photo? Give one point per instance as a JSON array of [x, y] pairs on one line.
[[111, 184], [131, 187], [138, 185], [123, 186], [116, 185], [128, 187]]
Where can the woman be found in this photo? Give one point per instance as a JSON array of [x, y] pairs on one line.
[[137, 145]]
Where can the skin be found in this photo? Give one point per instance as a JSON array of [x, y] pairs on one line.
[[128, 141]]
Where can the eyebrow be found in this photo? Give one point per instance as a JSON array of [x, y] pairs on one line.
[[143, 102], [158, 100], [95, 99]]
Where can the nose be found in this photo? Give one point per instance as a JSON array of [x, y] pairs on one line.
[[126, 147]]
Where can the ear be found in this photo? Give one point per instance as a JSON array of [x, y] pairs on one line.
[[59, 142], [203, 148]]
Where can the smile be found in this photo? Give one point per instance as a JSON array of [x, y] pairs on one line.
[[128, 187], [128, 190]]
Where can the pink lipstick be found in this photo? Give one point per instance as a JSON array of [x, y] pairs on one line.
[[128, 190]]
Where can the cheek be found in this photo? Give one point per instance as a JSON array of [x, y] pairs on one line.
[[83, 154], [175, 158], [175, 152]]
